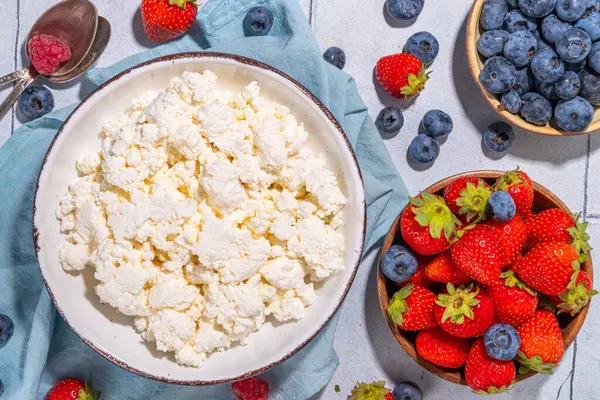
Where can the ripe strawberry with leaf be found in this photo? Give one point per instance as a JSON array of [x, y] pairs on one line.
[[166, 20], [542, 344], [401, 75], [518, 184], [73, 389], [486, 375], [515, 302], [478, 254], [443, 269], [411, 308], [576, 297], [441, 348], [512, 236], [556, 225], [371, 391], [468, 196]]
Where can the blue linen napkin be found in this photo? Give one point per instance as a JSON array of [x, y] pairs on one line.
[[44, 349]]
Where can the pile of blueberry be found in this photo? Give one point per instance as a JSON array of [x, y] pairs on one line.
[[543, 59]]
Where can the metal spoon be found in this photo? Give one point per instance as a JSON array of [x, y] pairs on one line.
[[73, 21]]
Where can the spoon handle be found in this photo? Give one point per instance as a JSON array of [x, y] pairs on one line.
[[13, 76], [20, 86]]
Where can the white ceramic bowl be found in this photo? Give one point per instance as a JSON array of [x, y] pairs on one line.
[[111, 334]]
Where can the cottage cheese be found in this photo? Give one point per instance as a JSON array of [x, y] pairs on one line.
[[204, 216]]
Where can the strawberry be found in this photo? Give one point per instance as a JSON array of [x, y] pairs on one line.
[[443, 269], [427, 224], [478, 254], [518, 184], [465, 311], [514, 301], [541, 343], [486, 375], [166, 20], [468, 196], [576, 297], [512, 236], [556, 225], [401, 75], [72, 389], [549, 268], [411, 308], [441, 348], [419, 278], [371, 391]]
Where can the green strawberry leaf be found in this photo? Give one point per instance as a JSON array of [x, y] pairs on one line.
[[431, 211], [397, 307], [511, 280], [458, 303], [534, 363], [473, 201], [369, 391]]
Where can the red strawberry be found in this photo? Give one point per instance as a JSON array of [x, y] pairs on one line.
[[427, 224], [401, 75], [441, 348], [419, 278], [371, 391], [512, 236], [468, 196], [464, 311], [514, 301], [518, 184], [556, 225], [549, 268], [166, 20], [576, 297], [411, 308], [251, 389], [478, 254], [487, 375], [541, 343], [72, 389], [443, 269]]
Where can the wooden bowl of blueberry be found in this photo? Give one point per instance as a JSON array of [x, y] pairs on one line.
[[485, 278], [537, 62]]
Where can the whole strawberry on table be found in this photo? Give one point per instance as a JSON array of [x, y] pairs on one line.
[[477, 273]]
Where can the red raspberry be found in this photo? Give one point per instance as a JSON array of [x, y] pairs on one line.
[[251, 389], [47, 52]]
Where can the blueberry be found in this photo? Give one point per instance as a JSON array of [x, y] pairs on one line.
[[553, 28], [591, 24], [512, 3], [515, 20], [536, 109], [511, 101], [258, 21], [594, 57], [335, 56], [592, 5], [498, 75], [398, 264], [405, 9], [537, 8], [567, 87], [576, 67], [492, 14], [390, 120], [501, 206], [7, 328], [520, 48], [547, 66], [491, 43], [498, 137], [424, 46], [502, 342], [437, 123], [407, 391], [574, 45], [541, 42], [574, 115], [424, 149], [590, 87], [36, 101], [524, 82], [570, 10], [546, 90]]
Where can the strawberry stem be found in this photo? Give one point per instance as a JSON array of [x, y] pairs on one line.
[[458, 303], [182, 3]]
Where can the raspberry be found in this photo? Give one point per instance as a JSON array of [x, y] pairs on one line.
[[47, 52], [251, 389]]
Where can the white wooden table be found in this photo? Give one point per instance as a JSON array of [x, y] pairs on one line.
[[569, 166]]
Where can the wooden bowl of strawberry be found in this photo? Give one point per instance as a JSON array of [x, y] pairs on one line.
[[485, 278]]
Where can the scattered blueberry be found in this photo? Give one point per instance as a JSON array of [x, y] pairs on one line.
[[407, 391], [491, 43], [515, 20], [7, 328], [390, 120], [537, 8], [335, 56], [591, 24], [570, 10], [553, 28], [492, 14], [501, 206], [567, 87], [511, 101], [574, 115], [590, 87], [546, 90], [547, 66], [424, 46], [498, 75], [405, 9], [424, 149], [498, 137], [437, 123], [520, 47], [576, 67], [594, 57], [398, 264], [36, 101], [524, 82], [502, 342], [258, 21], [536, 109], [574, 45]]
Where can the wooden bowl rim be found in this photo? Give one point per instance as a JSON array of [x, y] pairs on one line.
[[456, 376], [473, 60]]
